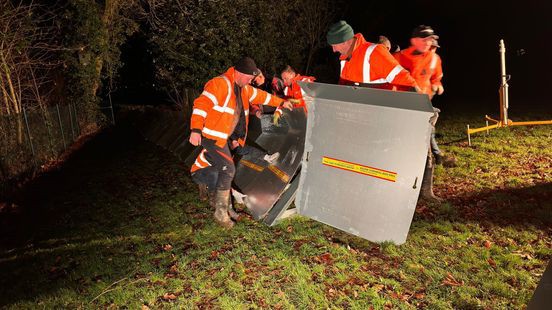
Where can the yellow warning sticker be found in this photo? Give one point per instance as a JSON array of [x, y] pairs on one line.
[[282, 175], [358, 168], [251, 165]]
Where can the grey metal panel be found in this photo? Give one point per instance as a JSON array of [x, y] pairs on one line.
[[264, 183], [376, 128], [372, 96], [283, 203], [542, 297]]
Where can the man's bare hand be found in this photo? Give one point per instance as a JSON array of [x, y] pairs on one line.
[[234, 144], [195, 138], [287, 104], [438, 89]]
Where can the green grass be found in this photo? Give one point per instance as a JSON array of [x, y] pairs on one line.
[[120, 226]]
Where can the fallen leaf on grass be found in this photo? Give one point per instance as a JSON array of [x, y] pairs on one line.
[[289, 229], [491, 262], [487, 244], [297, 244], [400, 296], [169, 296], [174, 268], [167, 247], [325, 258], [378, 287], [419, 295], [214, 254], [451, 281], [523, 255], [144, 307], [421, 209]]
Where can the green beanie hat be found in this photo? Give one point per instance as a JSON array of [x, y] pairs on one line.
[[339, 33]]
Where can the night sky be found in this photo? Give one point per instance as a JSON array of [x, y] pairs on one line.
[[469, 35]]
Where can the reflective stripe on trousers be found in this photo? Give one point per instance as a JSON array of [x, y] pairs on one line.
[[220, 174]]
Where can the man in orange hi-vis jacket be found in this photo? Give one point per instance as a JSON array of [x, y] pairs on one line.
[[421, 60], [219, 123], [364, 63], [292, 90], [423, 63]]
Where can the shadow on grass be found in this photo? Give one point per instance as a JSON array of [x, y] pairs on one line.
[[73, 231], [523, 206]]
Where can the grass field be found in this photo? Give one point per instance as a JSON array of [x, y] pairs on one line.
[[120, 226]]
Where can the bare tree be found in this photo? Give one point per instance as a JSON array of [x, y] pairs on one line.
[[315, 17]]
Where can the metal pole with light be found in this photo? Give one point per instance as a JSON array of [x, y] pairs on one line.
[[503, 85], [504, 102]]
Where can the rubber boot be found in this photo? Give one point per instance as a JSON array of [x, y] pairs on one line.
[[203, 192], [426, 192], [439, 158], [221, 209], [232, 213]]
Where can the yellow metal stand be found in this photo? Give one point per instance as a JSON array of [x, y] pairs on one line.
[[500, 124], [503, 94]]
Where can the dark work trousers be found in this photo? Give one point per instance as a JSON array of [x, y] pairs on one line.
[[433, 142], [220, 174]]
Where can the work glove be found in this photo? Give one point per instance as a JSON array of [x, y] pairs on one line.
[[276, 118]]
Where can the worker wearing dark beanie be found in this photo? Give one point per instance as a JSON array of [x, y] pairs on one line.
[[219, 121], [339, 33], [364, 63], [246, 65]]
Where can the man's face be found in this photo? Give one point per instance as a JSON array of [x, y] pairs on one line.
[[287, 77], [422, 45], [243, 79], [343, 48], [259, 80]]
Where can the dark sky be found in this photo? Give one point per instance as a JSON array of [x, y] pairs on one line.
[[470, 32]]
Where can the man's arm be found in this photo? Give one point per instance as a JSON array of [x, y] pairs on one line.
[[202, 107], [388, 68], [436, 85]]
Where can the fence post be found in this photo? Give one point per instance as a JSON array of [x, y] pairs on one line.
[[29, 135], [111, 106], [61, 128], [187, 108], [71, 122], [76, 119], [48, 127]]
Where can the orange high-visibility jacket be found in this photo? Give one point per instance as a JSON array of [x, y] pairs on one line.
[[372, 63], [295, 92], [425, 68], [213, 112], [437, 68]]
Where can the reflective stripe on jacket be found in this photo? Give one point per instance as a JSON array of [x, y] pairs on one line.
[[372, 63], [425, 68], [295, 92], [213, 111]]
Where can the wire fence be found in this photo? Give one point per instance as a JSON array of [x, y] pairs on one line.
[[32, 138]]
